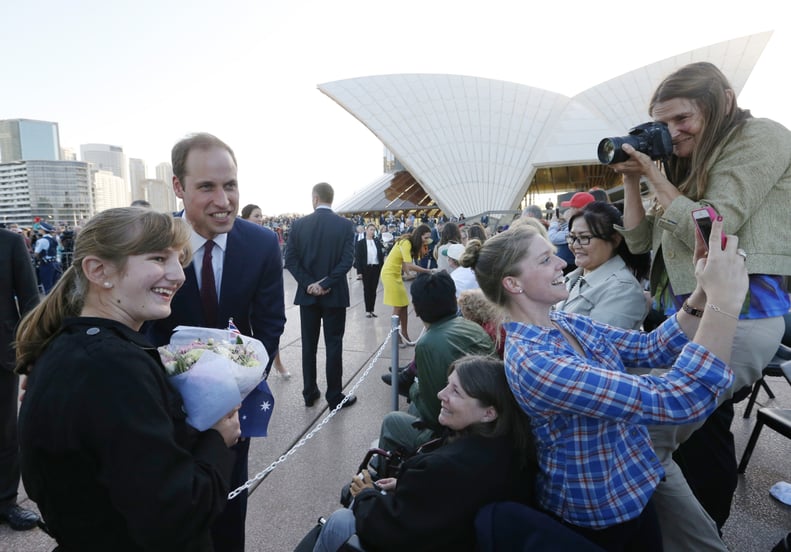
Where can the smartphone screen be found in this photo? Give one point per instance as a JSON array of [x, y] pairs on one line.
[[703, 218], [704, 225]]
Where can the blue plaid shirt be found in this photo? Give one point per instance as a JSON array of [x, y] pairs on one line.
[[598, 467]]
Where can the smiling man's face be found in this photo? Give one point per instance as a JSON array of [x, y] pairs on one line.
[[209, 191]]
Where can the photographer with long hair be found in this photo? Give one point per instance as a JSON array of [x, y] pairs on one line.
[[741, 166]]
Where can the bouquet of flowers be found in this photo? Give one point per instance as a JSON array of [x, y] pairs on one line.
[[213, 370]]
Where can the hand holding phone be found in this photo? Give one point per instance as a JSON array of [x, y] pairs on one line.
[[703, 218]]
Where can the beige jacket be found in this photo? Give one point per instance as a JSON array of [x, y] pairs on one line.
[[750, 186]]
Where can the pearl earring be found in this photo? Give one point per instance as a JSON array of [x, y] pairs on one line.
[[108, 285]]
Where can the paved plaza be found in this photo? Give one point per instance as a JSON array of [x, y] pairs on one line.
[[306, 485]]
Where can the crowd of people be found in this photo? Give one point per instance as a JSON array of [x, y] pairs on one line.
[[534, 380]]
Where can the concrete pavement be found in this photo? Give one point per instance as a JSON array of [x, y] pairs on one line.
[[286, 504]]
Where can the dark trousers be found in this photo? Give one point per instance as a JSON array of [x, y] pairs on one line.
[[708, 461], [640, 534], [333, 320], [9, 444], [370, 283], [227, 531], [48, 274]]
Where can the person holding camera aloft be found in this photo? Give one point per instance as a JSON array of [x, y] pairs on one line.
[[597, 469], [724, 158]]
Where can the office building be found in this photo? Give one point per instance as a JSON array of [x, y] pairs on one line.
[[107, 158], [160, 195], [164, 172], [137, 177], [28, 140], [56, 191], [109, 190]]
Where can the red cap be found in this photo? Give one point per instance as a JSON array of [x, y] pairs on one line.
[[579, 200]]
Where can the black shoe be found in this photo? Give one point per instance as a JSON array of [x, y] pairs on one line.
[[374, 314], [350, 400], [784, 544], [311, 399], [18, 518], [405, 381]]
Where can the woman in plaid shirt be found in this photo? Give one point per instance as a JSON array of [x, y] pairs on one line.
[[598, 469]]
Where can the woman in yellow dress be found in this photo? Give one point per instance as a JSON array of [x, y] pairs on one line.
[[406, 250]]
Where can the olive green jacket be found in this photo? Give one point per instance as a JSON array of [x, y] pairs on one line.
[[750, 186]]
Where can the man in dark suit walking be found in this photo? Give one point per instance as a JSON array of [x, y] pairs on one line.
[[236, 272], [319, 254], [18, 295]]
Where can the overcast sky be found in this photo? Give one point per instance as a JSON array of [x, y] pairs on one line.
[[141, 74]]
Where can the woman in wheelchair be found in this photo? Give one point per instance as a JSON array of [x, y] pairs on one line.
[[487, 457]]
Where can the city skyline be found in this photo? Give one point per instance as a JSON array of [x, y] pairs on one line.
[[143, 75]]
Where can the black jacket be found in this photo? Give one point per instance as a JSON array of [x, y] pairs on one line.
[[105, 449], [361, 253], [321, 249], [438, 494]]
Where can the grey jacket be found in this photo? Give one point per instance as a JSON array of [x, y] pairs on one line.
[[750, 186]]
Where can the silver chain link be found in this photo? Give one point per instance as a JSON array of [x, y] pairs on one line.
[[259, 476]]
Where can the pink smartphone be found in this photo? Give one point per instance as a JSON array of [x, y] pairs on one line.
[[703, 218]]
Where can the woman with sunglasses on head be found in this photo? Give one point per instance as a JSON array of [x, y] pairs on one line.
[[606, 283]]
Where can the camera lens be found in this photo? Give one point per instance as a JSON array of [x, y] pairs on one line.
[[610, 149], [606, 151]]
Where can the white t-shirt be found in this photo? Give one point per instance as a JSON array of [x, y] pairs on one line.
[[464, 278]]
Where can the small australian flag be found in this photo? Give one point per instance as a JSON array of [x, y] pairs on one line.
[[256, 411]]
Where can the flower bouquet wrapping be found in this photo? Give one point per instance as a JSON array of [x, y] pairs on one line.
[[213, 370]]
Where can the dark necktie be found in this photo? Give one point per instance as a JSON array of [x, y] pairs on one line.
[[208, 290]]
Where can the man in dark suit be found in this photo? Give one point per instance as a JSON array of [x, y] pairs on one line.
[[319, 254], [368, 258], [18, 295], [236, 272]]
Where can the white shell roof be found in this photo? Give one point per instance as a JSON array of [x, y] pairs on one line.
[[474, 143]]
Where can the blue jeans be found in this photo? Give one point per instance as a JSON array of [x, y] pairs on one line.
[[336, 531]]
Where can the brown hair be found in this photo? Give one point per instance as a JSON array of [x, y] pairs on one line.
[[416, 239], [201, 140], [705, 85], [476, 231], [497, 258], [112, 235], [248, 209], [483, 378], [324, 192], [477, 308]]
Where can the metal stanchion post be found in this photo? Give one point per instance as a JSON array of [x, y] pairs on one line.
[[394, 325]]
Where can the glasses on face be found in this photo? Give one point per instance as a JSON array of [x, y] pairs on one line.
[[583, 240]]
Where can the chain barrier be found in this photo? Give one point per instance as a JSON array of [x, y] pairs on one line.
[[411, 343], [260, 476]]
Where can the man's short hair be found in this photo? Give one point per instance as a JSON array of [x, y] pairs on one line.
[[201, 140], [324, 192], [434, 296]]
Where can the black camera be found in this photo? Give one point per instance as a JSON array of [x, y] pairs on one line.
[[652, 139]]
